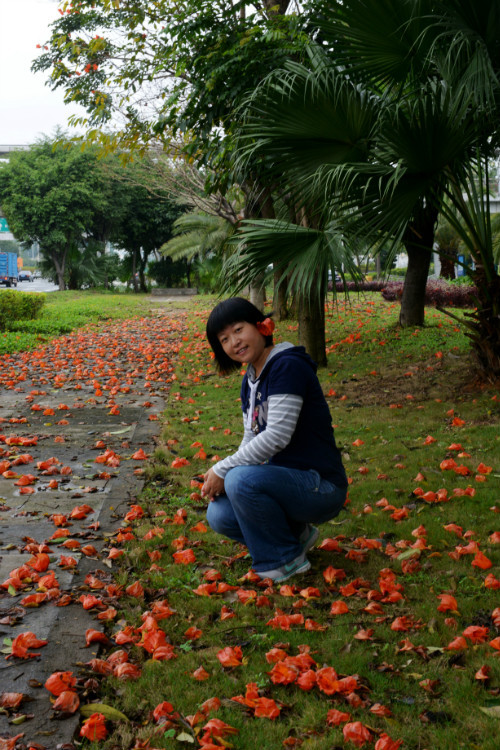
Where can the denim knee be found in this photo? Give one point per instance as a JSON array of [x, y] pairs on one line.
[[237, 479], [215, 518]]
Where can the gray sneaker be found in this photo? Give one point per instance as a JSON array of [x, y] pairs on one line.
[[309, 537], [300, 565]]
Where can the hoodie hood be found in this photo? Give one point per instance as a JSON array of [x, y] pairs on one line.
[[278, 351]]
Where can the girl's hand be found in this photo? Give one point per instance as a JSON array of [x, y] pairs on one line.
[[213, 485]]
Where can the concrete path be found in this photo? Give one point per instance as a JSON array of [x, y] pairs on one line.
[[101, 387]]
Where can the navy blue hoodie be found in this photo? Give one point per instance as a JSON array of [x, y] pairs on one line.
[[312, 446]]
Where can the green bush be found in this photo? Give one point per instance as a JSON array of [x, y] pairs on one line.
[[19, 306]]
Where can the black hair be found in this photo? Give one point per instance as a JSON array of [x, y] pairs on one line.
[[232, 310]]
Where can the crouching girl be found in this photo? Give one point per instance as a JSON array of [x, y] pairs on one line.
[[287, 473]]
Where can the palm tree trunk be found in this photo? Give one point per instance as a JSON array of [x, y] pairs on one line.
[[418, 242], [448, 258], [258, 293], [311, 316], [485, 324], [266, 208], [412, 311], [280, 296]]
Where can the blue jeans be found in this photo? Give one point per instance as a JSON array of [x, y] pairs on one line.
[[267, 507]]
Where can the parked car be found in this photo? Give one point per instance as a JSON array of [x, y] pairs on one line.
[[25, 275]]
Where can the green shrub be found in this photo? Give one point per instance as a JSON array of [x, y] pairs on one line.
[[19, 306]]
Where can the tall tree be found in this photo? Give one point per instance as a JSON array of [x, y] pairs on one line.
[[146, 224], [164, 69], [54, 197]]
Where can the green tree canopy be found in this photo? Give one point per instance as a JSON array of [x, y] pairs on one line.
[[54, 197]]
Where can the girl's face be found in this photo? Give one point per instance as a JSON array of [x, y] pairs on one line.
[[242, 342]]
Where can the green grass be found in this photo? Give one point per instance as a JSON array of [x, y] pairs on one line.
[[391, 389], [64, 312]]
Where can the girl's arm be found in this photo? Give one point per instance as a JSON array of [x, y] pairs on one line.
[[282, 416]]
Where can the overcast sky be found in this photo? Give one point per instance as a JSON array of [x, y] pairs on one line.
[[28, 108]]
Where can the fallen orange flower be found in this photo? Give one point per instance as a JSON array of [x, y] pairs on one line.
[[135, 590], [356, 733], [379, 710], [483, 673], [11, 700], [178, 462], [266, 708], [230, 656], [332, 575], [184, 557], [200, 674], [26, 479], [326, 679], [335, 717], [22, 643], [67, 702], [307, 680], [476, 633], [448, 603], [457, 644], [94, 728], [384, 742], [9, 743], [481, 561], [59, 682], [33, 600], [95, 636], [127, 671]]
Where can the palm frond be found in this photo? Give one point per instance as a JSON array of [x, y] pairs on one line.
[[306, 254], [197, 234]]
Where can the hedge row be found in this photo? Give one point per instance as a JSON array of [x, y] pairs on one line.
[[439, 293], [19, 306]]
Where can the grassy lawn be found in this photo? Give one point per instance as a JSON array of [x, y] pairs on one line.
[[402, 600], [392, 639], [63, 312]]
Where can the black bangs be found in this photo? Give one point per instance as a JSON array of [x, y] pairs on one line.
[[233, 310]]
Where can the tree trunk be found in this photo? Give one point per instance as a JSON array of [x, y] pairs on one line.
[[485, 324], [59, 265], [266, 210], [311, 317], [135, 280], [418, 242], [258, 293], [261, 207], [448, 258], [280, 296]]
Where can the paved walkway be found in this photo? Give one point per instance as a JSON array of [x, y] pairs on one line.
[[86, 396]]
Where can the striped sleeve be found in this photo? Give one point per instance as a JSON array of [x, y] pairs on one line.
[[282, 416]]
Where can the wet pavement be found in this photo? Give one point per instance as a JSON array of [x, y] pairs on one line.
[[90, 395]]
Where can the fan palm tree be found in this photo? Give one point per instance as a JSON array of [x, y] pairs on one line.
[[381, 133], [196, 234], [199, 239]]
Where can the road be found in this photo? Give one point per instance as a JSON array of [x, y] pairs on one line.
[[38, 285]]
